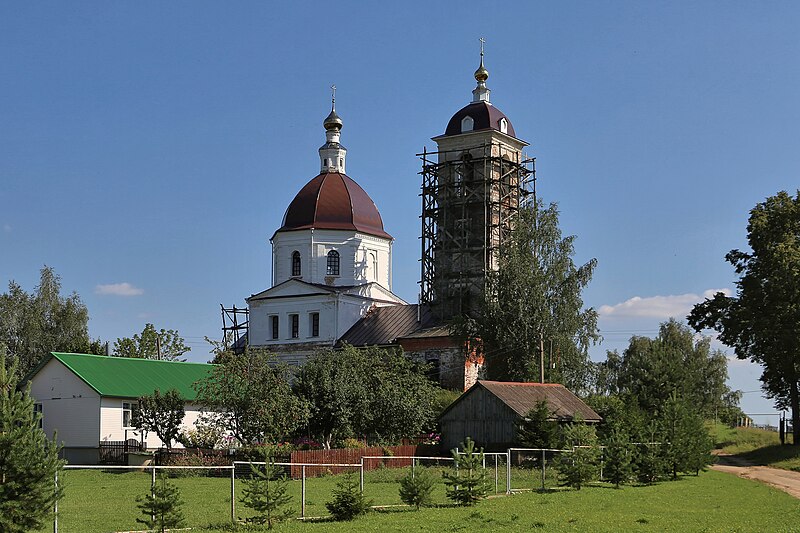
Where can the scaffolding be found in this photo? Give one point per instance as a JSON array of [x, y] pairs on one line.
[[470, 200], [235, 320]]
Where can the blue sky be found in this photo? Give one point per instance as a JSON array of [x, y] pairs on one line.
[[148, 150]]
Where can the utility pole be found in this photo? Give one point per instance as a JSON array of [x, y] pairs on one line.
[[541, 357], [158, 346]]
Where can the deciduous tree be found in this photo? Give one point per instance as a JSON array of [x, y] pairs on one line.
[[34, 324], [761, 321], [533, 313], [253, 398], [161, 414], [165, 344]]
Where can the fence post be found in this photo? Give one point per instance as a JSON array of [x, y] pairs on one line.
[[361, 475], [303, 492], [153, 488], [495, 473], [544, 473], [233, 492], [508, 472], [55, 506]]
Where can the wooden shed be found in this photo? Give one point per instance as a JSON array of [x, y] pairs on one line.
[[490, 411]]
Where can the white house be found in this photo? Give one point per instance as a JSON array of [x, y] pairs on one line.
[[88, 399]]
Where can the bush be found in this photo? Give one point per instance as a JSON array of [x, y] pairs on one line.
[[161, 507], [265, 494], [348, 500], [416, 488], [466, 483]]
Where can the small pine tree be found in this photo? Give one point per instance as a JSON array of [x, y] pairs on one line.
[[161, 507], [348, 500], [537, 430], [649, 463], [466, 484], [618, 456], [583, 464], [699, 445], [265, 493], [28, 459], [417, 489]]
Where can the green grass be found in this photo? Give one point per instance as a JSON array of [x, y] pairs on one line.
[[757, 446], [102, 502]]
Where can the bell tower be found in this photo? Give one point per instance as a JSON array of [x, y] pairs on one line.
[[472, 187]]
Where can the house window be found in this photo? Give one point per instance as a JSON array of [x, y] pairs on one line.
[[467, 123], [38, 410], [314, 324], [128, 410], [295, 320], [333, 263], [296, 263], [275, 324]]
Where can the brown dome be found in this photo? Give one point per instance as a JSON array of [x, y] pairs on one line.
[[484, 115], [334, 201]]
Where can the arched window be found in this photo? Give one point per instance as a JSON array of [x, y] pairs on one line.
[[333, 263], [467, 124], [504, 125], [296, 264]]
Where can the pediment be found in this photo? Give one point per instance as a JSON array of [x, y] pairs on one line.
[[291, 287]]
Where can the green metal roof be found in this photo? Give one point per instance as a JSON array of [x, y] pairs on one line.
[[127, 377]]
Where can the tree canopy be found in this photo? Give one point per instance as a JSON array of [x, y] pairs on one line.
[[356, 392], [161, 414], [760, 322], [533, 316], [253, 398], [164, 344], [34, 324]]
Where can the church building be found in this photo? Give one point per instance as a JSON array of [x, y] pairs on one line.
[[332, 257]]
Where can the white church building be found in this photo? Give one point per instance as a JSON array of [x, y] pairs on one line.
[[331, 262]]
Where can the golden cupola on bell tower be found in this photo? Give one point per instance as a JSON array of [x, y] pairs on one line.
[[472, 187]]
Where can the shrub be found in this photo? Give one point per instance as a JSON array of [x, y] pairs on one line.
[[265, 494], [466, 483], [416, 488], [582, 465], [161, 507], [348, 500]]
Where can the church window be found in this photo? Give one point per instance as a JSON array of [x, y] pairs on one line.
[[314, 324], [275, 323], [295, 320], [341, 162], [503, 125], [333, 263], [296, 263], [467, 124]]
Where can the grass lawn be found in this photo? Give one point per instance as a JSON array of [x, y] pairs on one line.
[[96, 501], [758, 446]]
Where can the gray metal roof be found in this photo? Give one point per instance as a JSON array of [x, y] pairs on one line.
[[383, 325], [522, 397]]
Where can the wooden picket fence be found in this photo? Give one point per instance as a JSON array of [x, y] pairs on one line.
[[354, 455]]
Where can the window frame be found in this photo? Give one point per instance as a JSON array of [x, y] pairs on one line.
[[297, 264], [275, 324], [129, 408], [313, 322], [38, 407], [333, 264], [294, 326]]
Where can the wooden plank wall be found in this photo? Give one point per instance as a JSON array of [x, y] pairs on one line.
[[354, 455]]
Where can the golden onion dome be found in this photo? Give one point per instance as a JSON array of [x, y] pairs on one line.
[[332, 121], [481, 74]]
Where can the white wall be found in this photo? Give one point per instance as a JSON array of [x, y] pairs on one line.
[[70, 408], [261, 311], [355, 253], [111, 428]]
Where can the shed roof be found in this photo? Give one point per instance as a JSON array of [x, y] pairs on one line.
[[127, 377], [522, 397]]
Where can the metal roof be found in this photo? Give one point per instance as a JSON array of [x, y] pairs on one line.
[[332, 200], [522, 397], [127, 377], [383, 325], [485, 116]]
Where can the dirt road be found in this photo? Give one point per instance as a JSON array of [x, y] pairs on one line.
[[785, 480]]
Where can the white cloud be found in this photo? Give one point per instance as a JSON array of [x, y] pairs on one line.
[[118, 289], [660, 307]]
